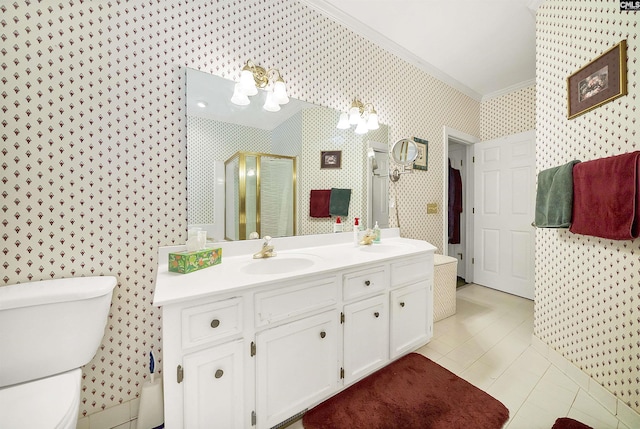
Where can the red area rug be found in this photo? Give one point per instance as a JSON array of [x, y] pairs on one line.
[[410, 393], [567, 423]]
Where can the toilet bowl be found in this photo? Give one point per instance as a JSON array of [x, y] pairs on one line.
[[48, 330], [51, 402]]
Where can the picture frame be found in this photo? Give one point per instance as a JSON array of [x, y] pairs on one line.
[[422, 161], [331, 159], [602, 80]]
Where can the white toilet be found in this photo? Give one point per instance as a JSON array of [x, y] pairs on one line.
[[48, 330]]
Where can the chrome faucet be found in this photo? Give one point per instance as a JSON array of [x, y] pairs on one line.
[[266, 251]]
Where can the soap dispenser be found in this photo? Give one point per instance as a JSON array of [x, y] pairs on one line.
[[376, 233], [337, 227], [356, 231]]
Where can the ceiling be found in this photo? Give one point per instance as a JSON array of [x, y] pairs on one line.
[[483, 48]]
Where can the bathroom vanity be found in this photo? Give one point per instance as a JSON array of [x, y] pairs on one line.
[[256, 342]]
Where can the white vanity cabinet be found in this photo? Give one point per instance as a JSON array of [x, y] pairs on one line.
[[296, 365], [244, 351], [213, 389]]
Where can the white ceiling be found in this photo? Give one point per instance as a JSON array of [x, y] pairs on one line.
[[481, 47]]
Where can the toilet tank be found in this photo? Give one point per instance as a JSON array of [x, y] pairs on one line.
[[51, 326]]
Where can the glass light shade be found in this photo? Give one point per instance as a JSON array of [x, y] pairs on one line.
[[280, 92], [270, 104], [362, 127], [239, 97], [247, 83], [372, 122], [354, 115], [343, 123]]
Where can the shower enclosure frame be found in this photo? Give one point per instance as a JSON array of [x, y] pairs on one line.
[[242, 192]]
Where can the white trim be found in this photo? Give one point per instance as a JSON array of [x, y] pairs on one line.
[[466, 139], [387, 44], [509, 89]]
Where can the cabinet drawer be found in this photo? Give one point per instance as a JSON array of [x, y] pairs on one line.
[[412, 270], [364, 282], [211, 322], [286, 302]]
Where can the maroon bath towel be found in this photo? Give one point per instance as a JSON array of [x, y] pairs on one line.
[[319, 203], [605, 197]]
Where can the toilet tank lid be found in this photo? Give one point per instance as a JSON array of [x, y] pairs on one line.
[[53, 291]]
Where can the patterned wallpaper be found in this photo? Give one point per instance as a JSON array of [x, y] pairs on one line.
[[508, 114], [587, 288], [94, 141]]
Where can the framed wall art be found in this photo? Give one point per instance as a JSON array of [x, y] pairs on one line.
[[602, 80], [422, 161], [331, 159]]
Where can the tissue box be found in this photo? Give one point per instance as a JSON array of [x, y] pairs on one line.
[[188, 262]]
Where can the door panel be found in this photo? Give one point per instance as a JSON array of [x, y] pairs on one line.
[[505, 203]]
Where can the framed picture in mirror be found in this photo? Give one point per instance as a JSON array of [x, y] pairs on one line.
[[422, 161], [331, 159]]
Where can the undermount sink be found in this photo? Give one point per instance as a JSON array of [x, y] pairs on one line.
[[279, 264]]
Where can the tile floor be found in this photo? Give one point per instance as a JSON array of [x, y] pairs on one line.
[[488, 343]]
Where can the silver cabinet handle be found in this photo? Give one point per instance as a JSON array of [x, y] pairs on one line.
[[215, 323], [219, 373]]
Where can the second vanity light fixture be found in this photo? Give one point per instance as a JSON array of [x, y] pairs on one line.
[[363, 116], [253, 77]]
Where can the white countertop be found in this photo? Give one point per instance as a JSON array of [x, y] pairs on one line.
[[323, 253]]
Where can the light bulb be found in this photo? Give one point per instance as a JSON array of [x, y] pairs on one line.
[[354, 115]]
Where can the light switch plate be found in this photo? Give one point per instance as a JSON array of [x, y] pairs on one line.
[[432, 208]]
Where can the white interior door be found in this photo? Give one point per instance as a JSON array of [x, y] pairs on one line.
[[378, 183], [504, 209]]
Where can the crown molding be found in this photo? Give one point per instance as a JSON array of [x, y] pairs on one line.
[[387, 44], [509, 89]]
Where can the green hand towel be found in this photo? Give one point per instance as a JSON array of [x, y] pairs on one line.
[[554, 198], [339, 202]]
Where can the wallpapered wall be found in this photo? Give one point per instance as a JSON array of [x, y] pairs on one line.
[[508, 114], [587, 289], [93, 138]]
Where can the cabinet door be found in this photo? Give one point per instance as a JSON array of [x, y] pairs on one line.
[[296, 366], [366, 337], [409, 318], [213, 388]]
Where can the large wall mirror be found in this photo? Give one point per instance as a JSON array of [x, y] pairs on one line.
[[220, 132]]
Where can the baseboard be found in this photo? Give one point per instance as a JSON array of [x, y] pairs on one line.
[[615, 406]]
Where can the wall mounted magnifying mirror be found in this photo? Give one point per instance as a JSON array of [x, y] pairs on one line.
[[404, 152]]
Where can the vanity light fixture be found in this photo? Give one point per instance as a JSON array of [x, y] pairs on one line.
[[363, 116], [253, 77]]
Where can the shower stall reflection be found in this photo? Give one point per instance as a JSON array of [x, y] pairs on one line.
[[260, 195]]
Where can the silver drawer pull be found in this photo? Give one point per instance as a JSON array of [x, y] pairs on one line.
[[323, 334], [376, 314], [402, 304], [367, 282], [219, 373], [215, 323]]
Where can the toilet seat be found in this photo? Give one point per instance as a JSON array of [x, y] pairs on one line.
[[50, 402]]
